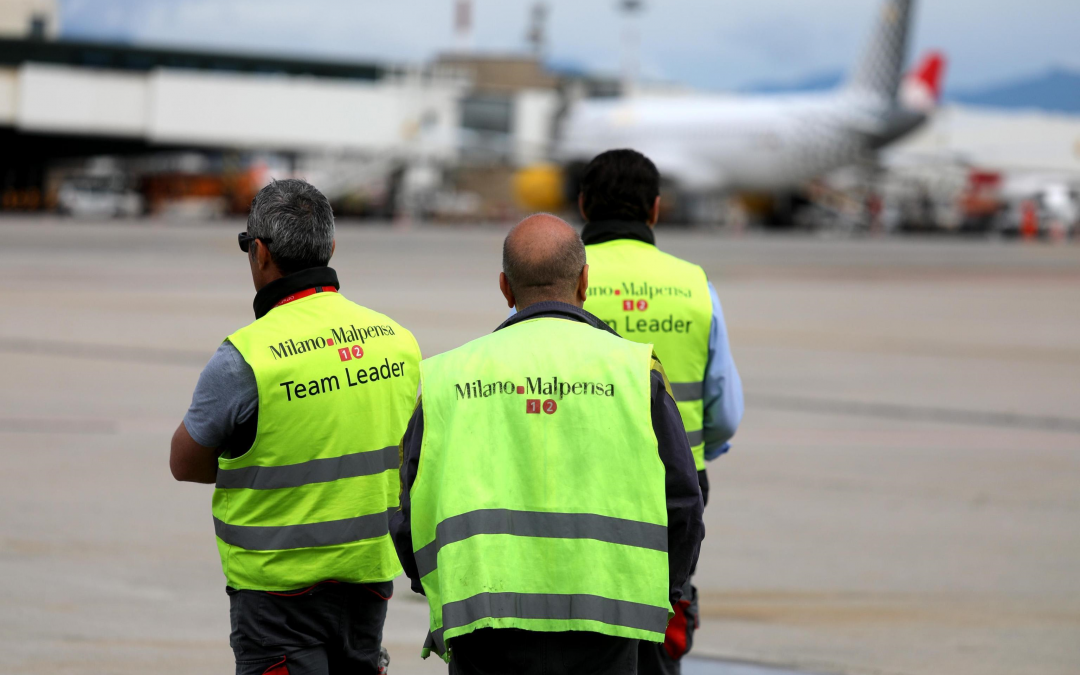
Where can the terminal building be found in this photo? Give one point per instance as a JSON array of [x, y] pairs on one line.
[[465, 121], [63, 100]]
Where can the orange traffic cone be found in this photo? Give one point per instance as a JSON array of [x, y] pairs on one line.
[[1029, 220]]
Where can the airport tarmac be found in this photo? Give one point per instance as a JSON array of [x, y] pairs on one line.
[[903, 497]]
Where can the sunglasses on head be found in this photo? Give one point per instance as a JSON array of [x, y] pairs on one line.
[[245, 240]]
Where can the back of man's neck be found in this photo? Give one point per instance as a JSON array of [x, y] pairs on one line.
[[521, 307]]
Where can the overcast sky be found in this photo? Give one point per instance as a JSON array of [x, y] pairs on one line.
[[713, 44]]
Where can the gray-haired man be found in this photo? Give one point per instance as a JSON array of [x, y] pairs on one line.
[[296, 419]]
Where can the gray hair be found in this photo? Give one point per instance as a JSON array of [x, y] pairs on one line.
[[298, 221]]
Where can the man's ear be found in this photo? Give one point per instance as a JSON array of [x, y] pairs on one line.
[[581, 206], [260, 253], [654, 213], [333, 247], [504, 286], [583, 284]]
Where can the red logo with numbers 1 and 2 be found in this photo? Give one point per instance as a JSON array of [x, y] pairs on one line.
[[533, 406], [630, 305], [350, 353]]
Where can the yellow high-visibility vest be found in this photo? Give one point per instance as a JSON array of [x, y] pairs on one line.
[[539, 503], [310, 501], [649, 296]]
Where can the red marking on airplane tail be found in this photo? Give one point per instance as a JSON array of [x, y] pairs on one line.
[[930, 72]]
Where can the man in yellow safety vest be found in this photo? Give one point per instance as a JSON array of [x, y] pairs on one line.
[[550, 509], [296, 419], [650, 296]]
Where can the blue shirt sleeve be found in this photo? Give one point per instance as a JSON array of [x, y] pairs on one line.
[[723, 387]]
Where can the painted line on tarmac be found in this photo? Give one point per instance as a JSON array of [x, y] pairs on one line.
[[893, 411], [105, 352], [701, 666], [31, 425]]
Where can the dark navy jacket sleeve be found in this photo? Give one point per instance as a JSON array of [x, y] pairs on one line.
[[685, 508], [400, 523]]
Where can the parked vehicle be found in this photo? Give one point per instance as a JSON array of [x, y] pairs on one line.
[[1053, 209], [99, 196]]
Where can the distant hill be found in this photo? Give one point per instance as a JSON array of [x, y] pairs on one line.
[[1055, 90], [822, 81], [566, 67]]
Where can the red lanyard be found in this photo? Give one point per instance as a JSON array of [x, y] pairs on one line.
[[304, 294]]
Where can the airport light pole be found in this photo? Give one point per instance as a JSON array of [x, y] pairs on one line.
[[631, 39], [463, 24], [537, 34]]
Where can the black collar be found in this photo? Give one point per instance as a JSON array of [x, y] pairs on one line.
[[551, 309], [279, 289], [610, 230]]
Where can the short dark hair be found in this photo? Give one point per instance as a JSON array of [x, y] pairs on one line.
[[536, 274], [619, 185], [298, 221]]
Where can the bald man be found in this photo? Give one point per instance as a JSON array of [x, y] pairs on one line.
[[550, 507]]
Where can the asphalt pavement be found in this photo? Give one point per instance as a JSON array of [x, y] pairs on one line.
[[903, 497]]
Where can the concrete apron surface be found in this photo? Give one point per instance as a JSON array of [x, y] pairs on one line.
[[902, 497], [696, 666]]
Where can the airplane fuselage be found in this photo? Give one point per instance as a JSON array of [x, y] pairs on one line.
[[766, 144], [706, 143]]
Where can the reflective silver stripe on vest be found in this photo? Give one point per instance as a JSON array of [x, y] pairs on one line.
[[306, 473], [695, 437], [540, 524], [551, 606], [688, 391], [434, 642], [310, 535]]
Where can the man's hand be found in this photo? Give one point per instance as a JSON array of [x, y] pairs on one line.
[[190, 461]]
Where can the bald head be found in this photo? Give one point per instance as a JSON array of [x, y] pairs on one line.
[[543, 259]]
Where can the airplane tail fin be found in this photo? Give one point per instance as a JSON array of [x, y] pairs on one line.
[[879, 72], [921, 90]]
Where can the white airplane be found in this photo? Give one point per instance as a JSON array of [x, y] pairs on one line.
[[764, 144]]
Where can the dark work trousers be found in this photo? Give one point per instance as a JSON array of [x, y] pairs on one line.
[[666, 659], [327, 629], [506, 651]]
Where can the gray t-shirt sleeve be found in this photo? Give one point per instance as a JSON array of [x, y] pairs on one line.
[[225, 397]]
